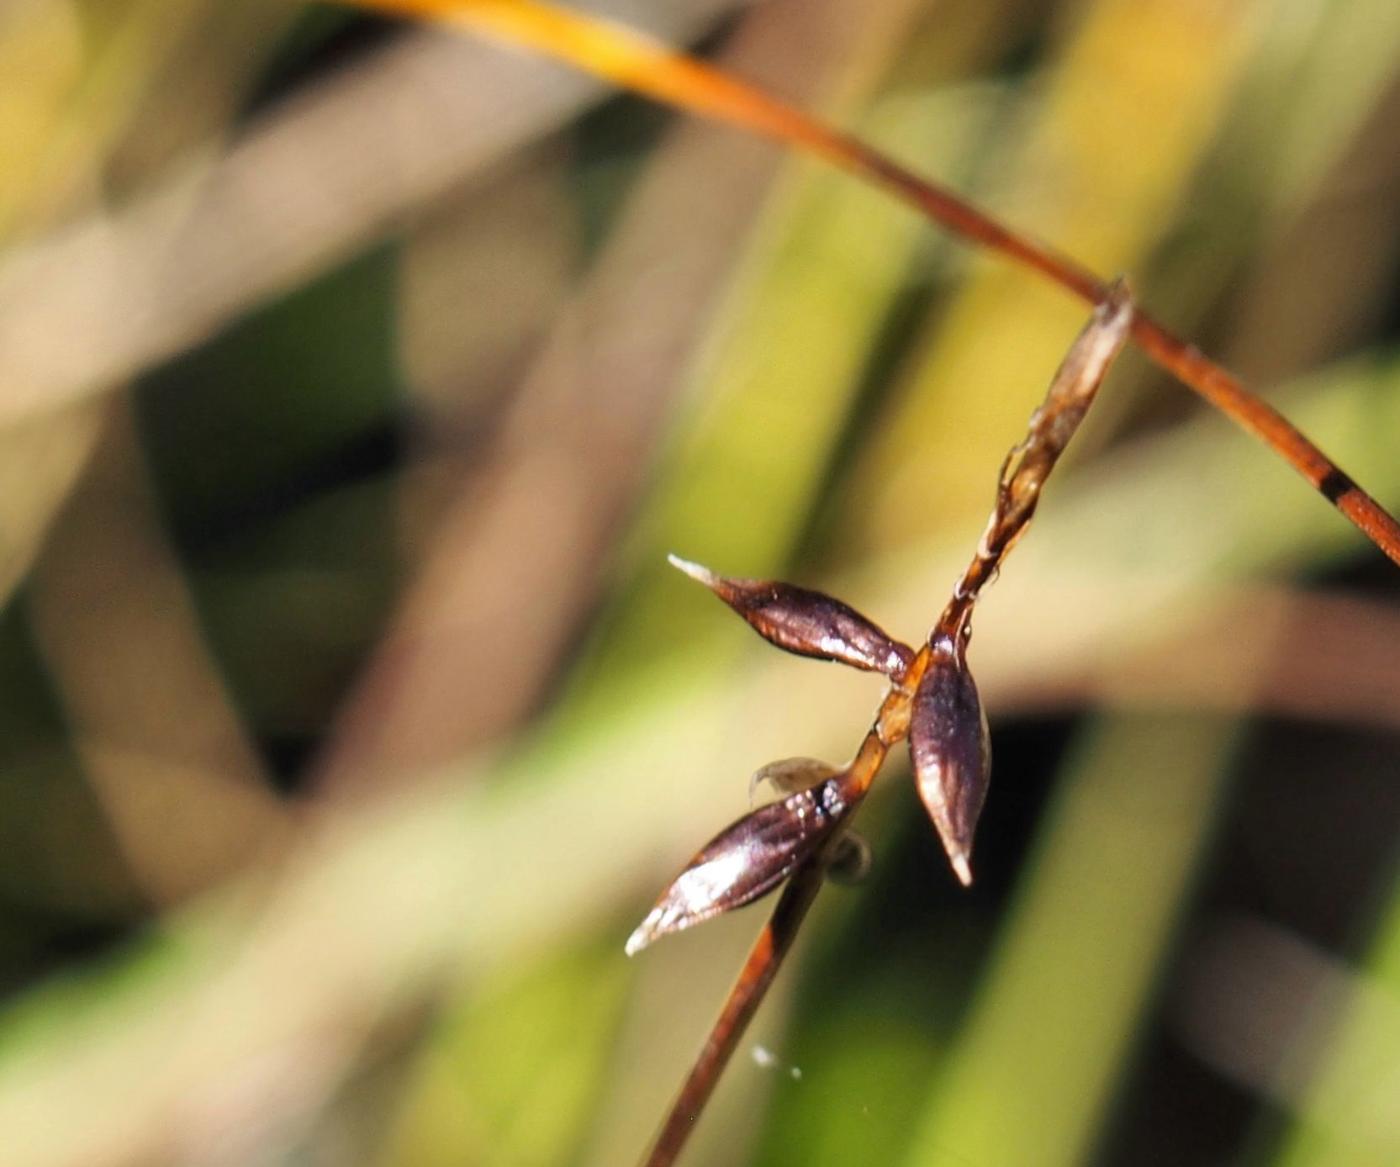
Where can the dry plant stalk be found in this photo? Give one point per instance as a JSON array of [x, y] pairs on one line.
[[932, 701], [635, 61]]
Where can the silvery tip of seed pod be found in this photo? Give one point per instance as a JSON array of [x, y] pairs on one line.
[[745, 861], [788, 775], [949, 743], [805, 622]]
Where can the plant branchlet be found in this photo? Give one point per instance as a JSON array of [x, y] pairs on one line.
[[932, 701]]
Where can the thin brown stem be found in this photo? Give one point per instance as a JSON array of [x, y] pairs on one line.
[[1030, 462], [764, 960], [890, 727], [635, 61], [1180, 358]]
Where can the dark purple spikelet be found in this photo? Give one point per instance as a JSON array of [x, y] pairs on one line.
[[805, 622], [746, 860], [949, 743]]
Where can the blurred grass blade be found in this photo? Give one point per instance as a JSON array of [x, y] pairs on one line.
[[1076, 173], [1349, 1113], [778, 384], [514, 1070], [637, 62], [622, 55], [1031, 1077]]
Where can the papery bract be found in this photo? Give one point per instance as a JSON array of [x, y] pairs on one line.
[[789, 775]]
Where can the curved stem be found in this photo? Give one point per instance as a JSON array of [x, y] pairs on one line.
[[635, 61], [764, 960], [1182, 359]]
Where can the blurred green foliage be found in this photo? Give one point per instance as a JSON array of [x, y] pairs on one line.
[[1181, 947]]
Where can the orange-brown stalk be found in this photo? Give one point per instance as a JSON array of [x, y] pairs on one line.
[[635, 61]]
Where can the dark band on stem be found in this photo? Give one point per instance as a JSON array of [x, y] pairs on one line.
[[1335, 486]]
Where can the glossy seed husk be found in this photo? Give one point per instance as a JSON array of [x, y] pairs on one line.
[[746, 860], [806, 622], [951, 750]]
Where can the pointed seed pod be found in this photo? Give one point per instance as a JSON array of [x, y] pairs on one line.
[[952, 755], [805, 622], [745, 861]]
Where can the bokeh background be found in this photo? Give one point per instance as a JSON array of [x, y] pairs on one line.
[[355, 379]]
